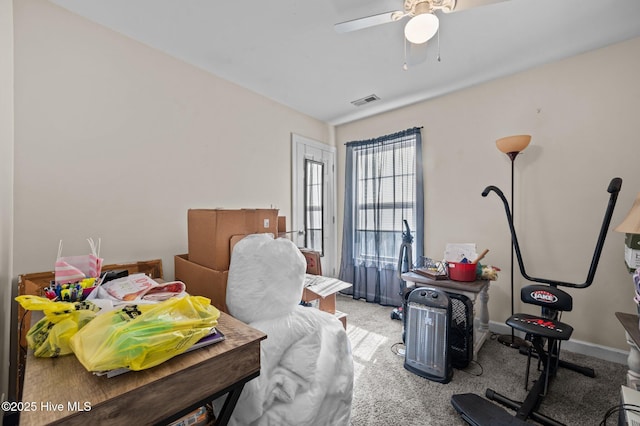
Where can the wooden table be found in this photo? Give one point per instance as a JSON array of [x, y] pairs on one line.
[[630, 324], [60, 390], [473, 290]]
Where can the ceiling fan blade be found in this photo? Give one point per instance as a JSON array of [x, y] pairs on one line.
[[369, 21], [469, 4]]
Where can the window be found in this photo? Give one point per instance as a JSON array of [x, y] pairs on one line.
[[383, 187], [385, 195], [313, 205]]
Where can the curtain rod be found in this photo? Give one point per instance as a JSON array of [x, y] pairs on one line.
[[382, 139]]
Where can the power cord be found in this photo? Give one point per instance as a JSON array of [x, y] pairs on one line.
[[396, 350], [632, 408], [400, 350], [473, 373]]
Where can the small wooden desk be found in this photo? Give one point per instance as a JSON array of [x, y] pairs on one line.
[[157, 395], [630, 324], [472, 290]]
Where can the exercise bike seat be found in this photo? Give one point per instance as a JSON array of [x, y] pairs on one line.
[[540, 326]]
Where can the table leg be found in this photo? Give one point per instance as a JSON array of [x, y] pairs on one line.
[[484, 310], [229, 404], [633, 362], [482, 329]]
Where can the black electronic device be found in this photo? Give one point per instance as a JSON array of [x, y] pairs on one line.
[[461, 330], [113, 275], [428, 325]]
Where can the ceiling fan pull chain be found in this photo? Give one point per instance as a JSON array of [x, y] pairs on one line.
[[438, 46], [404, 66]]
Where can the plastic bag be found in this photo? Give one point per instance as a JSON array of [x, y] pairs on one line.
[[50, 336], [71, 269], [142, 336]]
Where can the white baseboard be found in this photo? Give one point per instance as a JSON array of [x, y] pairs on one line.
[[584, 348]]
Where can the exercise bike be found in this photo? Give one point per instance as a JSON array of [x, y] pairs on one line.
[[544, 334]]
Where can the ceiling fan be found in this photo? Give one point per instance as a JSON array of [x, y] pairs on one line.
[[423, 24]]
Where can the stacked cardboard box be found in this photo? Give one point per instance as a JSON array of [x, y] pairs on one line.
[[212, 233]]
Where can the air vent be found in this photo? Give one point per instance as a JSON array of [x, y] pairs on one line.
[[365, 100]]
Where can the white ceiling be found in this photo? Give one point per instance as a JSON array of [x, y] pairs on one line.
[[288, 51]]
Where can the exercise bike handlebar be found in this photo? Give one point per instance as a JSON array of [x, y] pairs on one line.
[[613, 189]]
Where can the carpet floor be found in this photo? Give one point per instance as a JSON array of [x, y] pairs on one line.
[[385, 393]]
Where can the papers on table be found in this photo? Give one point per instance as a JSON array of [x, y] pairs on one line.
[[324, 286]]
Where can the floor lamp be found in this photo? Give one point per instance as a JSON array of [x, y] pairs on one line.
[[512, 146]]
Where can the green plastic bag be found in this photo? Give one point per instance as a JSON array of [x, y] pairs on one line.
[[142, 336], [50, 336]]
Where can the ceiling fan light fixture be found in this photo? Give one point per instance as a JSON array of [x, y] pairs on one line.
[[421, 28]]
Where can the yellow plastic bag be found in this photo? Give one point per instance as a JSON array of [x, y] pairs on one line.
[[50, 336], [142, 336]]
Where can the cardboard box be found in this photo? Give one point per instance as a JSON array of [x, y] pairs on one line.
[[210, 232], [324, 290], [327, 304], [342, 317], [282, 227], [314, 263], [202, 281]]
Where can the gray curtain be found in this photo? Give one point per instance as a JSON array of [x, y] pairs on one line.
[[383, 187]]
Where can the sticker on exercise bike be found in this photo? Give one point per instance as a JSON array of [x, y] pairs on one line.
[[549, 325], [544, 296]]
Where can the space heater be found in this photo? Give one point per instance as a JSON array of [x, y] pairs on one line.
[[428, 325], [461, 333]]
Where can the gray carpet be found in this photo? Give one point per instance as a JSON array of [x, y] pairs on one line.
[[387, 394]]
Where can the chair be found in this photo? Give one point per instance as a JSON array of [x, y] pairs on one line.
[[306, 365], [544, 332]]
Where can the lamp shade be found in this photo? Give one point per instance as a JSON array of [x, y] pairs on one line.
[[631, 223], [421, 28], [515, 143]]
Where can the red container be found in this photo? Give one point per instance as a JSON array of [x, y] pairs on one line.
[[462, 271]]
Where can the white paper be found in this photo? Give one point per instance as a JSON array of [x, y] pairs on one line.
[[457, 252], [324, 286]]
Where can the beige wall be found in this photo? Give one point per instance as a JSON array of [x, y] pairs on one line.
[[6, 183], [583, 115], [117, 140]]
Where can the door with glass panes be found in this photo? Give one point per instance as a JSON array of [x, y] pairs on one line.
[[313, 219]]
